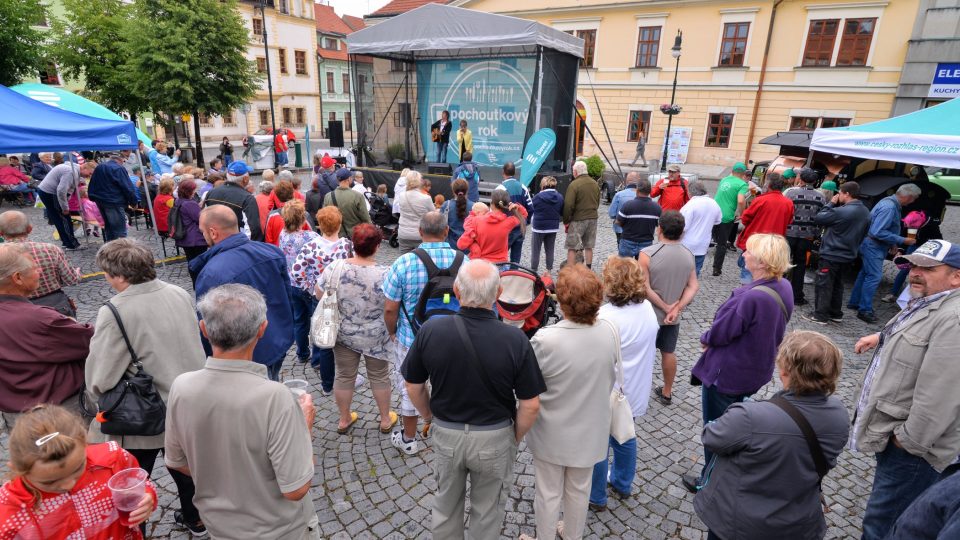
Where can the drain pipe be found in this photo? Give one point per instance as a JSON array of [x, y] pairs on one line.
[[763, 75]]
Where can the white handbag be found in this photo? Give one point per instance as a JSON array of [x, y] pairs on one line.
[[325, 322], [622, 426]]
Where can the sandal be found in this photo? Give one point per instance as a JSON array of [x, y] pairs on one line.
[[353, 420], [393, 421], [665, 400]]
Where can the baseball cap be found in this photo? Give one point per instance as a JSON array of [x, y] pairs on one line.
[[739, 167], [343, 174], [932, 253], [789, 173], [673, 168], [238, 168], [829, 185], [326, 162]]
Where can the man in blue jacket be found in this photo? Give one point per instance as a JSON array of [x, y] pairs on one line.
[[110, 188], [234, 258], [884, 233], [520, 195]]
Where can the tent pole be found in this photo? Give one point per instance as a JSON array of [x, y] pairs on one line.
[[146, 190], [351, 73], [406, 121], [536, 121]]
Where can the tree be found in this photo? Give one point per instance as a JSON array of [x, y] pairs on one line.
[[189, 56], [22, 45], [95, 47]]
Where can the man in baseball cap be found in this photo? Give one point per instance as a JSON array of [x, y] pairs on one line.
[[234, 195], [906, 408]]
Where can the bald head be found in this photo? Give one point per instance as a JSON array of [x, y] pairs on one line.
[[14, 224], [217, 223], [632, 178], [477, 284]]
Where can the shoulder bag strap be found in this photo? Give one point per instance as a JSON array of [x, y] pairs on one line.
[[475, 360], [618, 364], [819, 460], [338, 266], [333, 195], [776, 296], [123, 331]]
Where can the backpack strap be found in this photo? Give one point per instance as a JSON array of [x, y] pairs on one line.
[[776, 296], [819, 459], [432, 269]]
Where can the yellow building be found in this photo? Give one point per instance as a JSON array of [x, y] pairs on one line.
[[825, 63]]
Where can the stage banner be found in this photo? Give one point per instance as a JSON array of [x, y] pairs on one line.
[[538, 148], [493, 96]]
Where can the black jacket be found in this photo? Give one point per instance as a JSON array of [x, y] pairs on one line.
[[241, 202], [845, 227], [445, 132]]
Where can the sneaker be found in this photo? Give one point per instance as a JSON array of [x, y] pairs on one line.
[[888, 298], [196, 529], [867, 317], [596, 508], [409, 448], [807, 279], [800, 302], [303, 359], [836, 319], [691, 482], [812, 317], [717, 273], [360, 381]]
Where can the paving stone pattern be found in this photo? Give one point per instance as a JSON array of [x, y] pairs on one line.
[[365, 488]]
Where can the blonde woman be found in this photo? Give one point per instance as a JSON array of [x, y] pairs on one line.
[[414, 203], [745, 334]]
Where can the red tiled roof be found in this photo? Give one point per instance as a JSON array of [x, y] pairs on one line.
[[397, 7], [356, 23], [328, 21]]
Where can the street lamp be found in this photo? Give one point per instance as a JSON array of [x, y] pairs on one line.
[[266, 50], [672, 109]]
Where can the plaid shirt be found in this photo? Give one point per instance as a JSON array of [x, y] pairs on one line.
[[55, 269], [913, 306], [406, 279]]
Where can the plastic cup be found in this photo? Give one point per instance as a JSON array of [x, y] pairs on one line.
[[297, 386], [127, 488], [911, 233]]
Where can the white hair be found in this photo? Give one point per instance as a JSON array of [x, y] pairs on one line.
[[177, 168], [909, 190], [232, 315], [579, 168], [478, 283], [285, 175]]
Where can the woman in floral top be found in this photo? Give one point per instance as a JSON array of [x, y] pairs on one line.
[[360, 301], [314, 256], [292, 239]]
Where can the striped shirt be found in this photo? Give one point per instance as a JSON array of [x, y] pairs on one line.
[[639, 219]]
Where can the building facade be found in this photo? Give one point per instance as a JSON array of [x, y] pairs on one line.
[[934, 47], [747, 69]]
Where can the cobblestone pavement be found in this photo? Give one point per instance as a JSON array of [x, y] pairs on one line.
[[364, 488]]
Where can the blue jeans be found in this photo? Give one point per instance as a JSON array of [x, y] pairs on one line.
[[745, 275], [714, 404], [698, 262], [282, 158], [902, 274], [516, 245], [114, 221], [899, 479], [322, 361], [621, 477], [441, 152], [303, 304], [62, 223], [227, 160], [629, 248], [868, 280]]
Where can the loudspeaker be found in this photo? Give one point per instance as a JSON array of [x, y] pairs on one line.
[[439, 168], [397, 164], [563, 143], [335, 133]]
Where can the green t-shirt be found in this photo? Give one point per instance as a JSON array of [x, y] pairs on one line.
[[727, 192]]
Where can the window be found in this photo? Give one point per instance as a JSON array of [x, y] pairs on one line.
[[258, 27], [719, 127], [264, 116], [855, 42], [287, 116], [361, 84], [638, 125], [589, 38], [733, 45], [401, 118], [346, 83], [332, 116], [803, 123], [49, 74], [205, 119], [261, 64], [330, 88], [300, 62], [648, 46], [282, 7], [820, 39], [283, 60], [331, 44], [301, 116], [229, 119], [398, 65], [347, 121], [834, 122]]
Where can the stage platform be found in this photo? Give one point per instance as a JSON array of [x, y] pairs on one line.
[[490, 178]]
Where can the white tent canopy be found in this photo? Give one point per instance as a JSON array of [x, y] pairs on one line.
[[436, 31]]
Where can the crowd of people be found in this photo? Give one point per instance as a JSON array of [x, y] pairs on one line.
[[238, 443]]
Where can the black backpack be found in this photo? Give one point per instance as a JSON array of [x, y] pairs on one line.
[[436, 298], [175, 227]]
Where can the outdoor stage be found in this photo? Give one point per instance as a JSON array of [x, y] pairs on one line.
[[490, 177]]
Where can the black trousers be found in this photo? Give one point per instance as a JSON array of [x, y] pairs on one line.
[[721, 235], [799, 248], [828, 303], [185, 487], [192, 252]]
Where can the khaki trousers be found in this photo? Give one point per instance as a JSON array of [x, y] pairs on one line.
[[558, 486], [487, 457]]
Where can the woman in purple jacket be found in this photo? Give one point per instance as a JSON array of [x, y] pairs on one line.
[[741, 345], [193, 243]]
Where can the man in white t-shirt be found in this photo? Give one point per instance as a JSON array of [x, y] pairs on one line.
[[700, 214]]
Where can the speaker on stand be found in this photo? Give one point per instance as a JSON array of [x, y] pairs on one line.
[[335, 133]]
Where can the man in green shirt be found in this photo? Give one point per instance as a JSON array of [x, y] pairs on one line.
[[351, 204], [731, 197]]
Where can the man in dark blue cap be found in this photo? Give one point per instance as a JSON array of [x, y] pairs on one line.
[[234, 195], [351, 204]]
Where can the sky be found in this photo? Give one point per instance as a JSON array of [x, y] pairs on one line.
[[357, 8]]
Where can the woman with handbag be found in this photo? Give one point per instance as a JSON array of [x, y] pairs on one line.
[[153, 324], [358, 282], [625, 288], [291, 240], [771, 456], [414, 203], [577, 356]]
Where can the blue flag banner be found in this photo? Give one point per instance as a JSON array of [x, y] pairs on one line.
[[539, 146], [493, 96]]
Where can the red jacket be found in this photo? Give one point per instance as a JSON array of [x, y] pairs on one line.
[[87, 511], [486, 236], [11, 176], [769, 212], [673, 195], [161, 209]]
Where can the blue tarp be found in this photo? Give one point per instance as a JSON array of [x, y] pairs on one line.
[[27, 125]]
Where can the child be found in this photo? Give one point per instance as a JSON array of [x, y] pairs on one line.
[[477, 211], [438, 201], [59, 485], [92, 220], [382, 193]]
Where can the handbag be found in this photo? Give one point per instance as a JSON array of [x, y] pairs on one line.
[[325, 323], [622, 426], [133, 406]]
